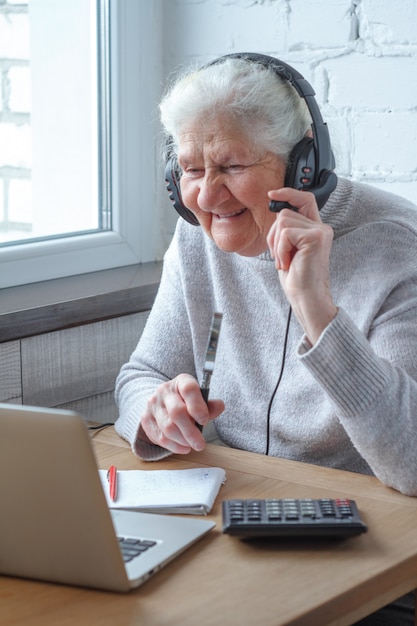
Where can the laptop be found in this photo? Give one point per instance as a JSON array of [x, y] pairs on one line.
[[55, 524]]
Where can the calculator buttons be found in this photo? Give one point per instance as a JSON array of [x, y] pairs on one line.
[[307, 508], [274, 509]]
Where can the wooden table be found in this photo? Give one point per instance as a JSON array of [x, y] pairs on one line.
[[222, 581]]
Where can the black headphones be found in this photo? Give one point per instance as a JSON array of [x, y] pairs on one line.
[[311, 162]]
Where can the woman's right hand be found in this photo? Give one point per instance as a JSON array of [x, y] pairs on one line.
[[172, 413]]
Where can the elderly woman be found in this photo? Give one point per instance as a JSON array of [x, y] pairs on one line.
[[317, 355]]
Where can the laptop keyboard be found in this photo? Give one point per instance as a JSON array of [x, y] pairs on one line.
[[132, 548]]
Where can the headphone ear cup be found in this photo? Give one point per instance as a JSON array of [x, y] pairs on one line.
[[300, 173], [172, 181]]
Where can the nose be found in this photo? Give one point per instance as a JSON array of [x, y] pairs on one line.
[[212, 191]]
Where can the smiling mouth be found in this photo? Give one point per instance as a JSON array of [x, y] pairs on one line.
[[228, 215]]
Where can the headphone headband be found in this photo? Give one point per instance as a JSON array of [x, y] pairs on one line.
[[321, 138]]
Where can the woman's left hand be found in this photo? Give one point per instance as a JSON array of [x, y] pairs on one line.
[[300, 244]]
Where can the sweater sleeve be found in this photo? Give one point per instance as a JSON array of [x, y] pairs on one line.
[[168, 344], [372, 383], [160, 348]]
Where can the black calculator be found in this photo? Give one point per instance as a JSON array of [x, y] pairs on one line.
[[292, 517]]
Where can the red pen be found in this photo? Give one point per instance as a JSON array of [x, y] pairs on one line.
[[112, 478]]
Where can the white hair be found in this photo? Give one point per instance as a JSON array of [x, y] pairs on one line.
[[268, 109]]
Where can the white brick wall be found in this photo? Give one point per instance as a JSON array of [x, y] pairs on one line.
[[15, 107], [359, 55], [14, 34], [20, 201], [15, 141], [20, 92]]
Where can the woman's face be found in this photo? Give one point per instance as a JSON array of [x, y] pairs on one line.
[[225, 183]]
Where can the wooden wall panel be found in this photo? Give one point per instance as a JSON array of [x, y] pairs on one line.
[[10, 372], [101, 408], [76, 363]]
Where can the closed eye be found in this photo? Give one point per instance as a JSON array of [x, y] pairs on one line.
[[234, 167], [194, 171]]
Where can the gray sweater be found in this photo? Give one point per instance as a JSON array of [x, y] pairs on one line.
[[350, 402]]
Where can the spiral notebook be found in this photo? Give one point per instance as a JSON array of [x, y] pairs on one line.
[[166, 491]]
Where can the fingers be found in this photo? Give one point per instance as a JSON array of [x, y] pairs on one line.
[[295, 231], [300, 244], [289, 237], [172, 413], [155, 435], [303, 202]]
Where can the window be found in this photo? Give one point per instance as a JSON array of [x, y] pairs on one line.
[[88, 192]]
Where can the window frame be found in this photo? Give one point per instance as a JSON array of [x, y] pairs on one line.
[[138, 233]]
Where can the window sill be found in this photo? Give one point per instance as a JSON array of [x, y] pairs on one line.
[[62, 303]]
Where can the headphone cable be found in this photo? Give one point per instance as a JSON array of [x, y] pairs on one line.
[[284, 352]]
